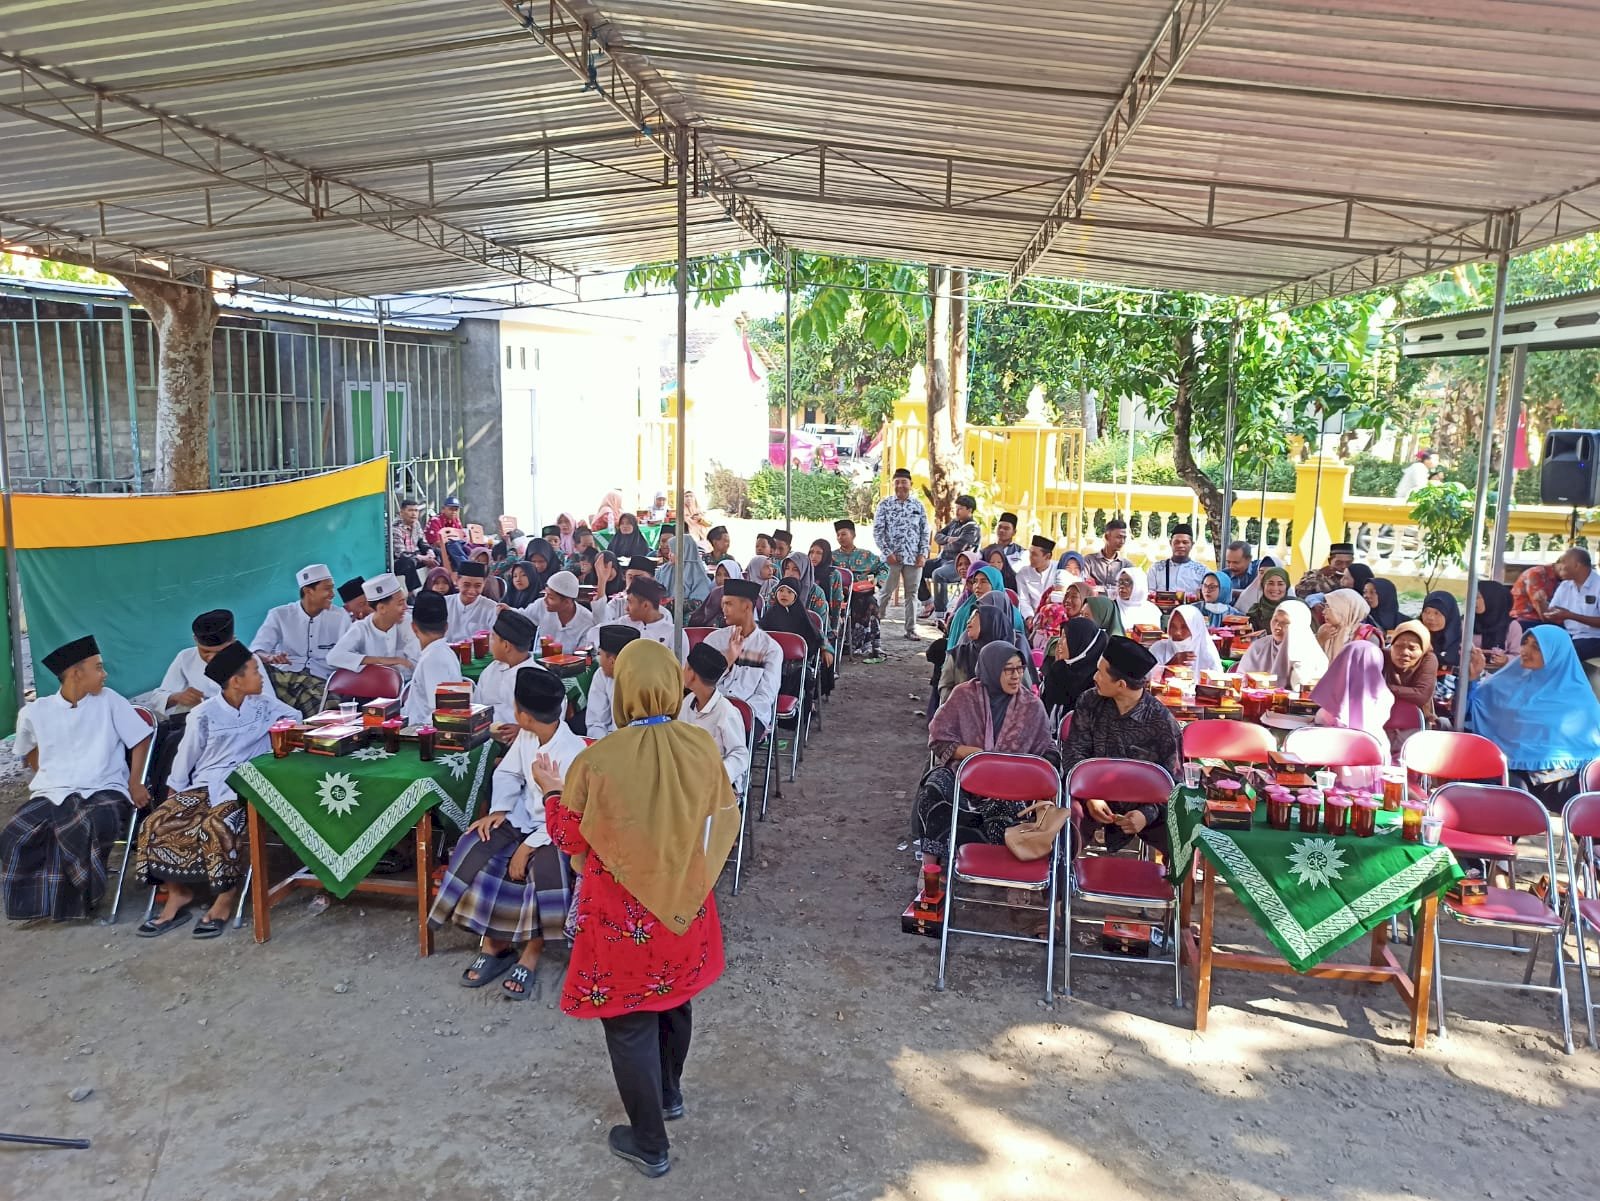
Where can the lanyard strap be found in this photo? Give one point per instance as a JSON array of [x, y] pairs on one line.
[[651, 721]]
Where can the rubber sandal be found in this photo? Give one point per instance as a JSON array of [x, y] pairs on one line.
[[489, 968], [210, 927], [532, 986], [155, 929]]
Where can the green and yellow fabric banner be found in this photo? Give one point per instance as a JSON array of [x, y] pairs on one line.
[[135, 570]]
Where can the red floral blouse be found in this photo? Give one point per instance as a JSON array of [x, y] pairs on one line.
[[623, 959]]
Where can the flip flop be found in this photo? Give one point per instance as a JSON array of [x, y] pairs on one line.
[[155, 929], [210, 927], [489, 967], [531, 984]]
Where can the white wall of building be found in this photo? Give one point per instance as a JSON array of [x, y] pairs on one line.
[[572, 389]]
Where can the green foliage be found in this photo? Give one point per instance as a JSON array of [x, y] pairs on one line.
[[1443, 514], [727, 490], [818, 495], [1373, 476], [846, 379]]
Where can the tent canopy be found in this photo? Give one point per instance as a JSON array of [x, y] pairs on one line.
[[1297, 148]]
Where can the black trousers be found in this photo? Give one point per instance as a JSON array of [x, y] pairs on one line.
[[406, 568], [647, 1056]]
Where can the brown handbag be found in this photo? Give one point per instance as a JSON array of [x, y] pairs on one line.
[[1035, 834]]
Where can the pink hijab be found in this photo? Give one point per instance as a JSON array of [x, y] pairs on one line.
[[1353, 694], [564, 539]]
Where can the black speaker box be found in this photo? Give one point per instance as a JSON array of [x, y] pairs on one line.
[[1570, 472]]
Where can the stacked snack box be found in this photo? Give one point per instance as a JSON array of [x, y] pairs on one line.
[[461, 725]]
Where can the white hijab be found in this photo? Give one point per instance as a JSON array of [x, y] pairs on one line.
[[1198, 642], [1298, 659], [1138, 609]]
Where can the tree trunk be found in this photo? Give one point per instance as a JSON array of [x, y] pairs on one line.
[[941, 446], [185, 317], [958, 358], [1183, 433], [1088, 403]]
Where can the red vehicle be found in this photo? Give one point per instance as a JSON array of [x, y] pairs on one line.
[[805, 451]]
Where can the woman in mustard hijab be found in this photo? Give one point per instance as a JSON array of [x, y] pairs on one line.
[[649, 817]]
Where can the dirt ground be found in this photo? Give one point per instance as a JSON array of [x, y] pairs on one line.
[[332, 1065]]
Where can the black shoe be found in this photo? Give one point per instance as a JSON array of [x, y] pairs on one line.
[[672, 1110], [623, 1147]]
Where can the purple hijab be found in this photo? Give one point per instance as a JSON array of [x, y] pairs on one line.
[[1353, 693]]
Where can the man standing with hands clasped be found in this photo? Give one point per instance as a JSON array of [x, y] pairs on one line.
[[900, 528]]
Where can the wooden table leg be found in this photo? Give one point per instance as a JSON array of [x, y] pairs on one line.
[[1380, 945], [424, 885], [1422, 971], [1202, 980], [260, 883]]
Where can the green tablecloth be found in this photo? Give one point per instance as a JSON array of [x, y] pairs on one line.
[[341, 814], [577, 686], [1310, 893], [652, 535]]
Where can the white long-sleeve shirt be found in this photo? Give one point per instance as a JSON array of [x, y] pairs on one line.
[[82, 748], [1032, 585], [290, 630], [365, 640], [467, 620], [606, 610], [513, 790], [755, 677], [437, 664], [187, 670], [217, 738], [722, 721], [572, 635], [660, 630], [597, 716], [497, 686]]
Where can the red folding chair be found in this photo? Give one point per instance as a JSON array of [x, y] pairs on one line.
[[822, 633], [1066, 728], [1591, 776], [1492, 811], [694, 635], [1333, 746], [1437, 757], [1235, 741], [744, 789], [373, 682], [1580, 822], [847, 581], [1404, 720], [1120, 881], [792, 711], [1002, 777], [131, 837]]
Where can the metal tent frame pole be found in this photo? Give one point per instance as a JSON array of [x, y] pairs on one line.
[[1221, 538], [680, 450], [788, 394], [1508, 461], [13, 582], [1491, 398]]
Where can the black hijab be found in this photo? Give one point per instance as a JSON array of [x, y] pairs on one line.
[[1446, 642], [1361, 575], [616, 583], [521, 598], [1386, 613], [1065, 680], [1007, 576], [1494, 623], [993, 626], [822, 573], [552, 563], [629, 543], [791, 619]]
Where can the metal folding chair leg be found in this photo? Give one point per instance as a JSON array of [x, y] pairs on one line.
[[744, 826], [244, 897], [1583, 977], [122, 872]]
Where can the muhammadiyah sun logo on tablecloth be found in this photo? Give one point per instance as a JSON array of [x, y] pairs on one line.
[[1318, 862], [457, 764], [338, 793]]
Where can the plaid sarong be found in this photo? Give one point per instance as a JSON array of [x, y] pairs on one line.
[[298, 688], [53, 857], [484, 901]]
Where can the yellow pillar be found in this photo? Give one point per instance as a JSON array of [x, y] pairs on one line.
[[907, 443], [1030, 450], [1321, 487]]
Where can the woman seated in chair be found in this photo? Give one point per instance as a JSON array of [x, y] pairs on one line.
[[987, 624], [710, 611], [786, 615], [196, 837], [1188, 642], [991, 712], [1412, 669], [1352, 695], [1289, 650], [1541, 712]]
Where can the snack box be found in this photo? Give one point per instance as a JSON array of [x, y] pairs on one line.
[[479, 716], [1146, 635], [328, 717], [455, 695], [1470, 890], [335, 740], [1238, 814], [1210, 694], [383, 708], [1120, 936], [1289, 778], [1166, 599], [566, 665], [1236, 622], [460, 740], [922, 919]]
